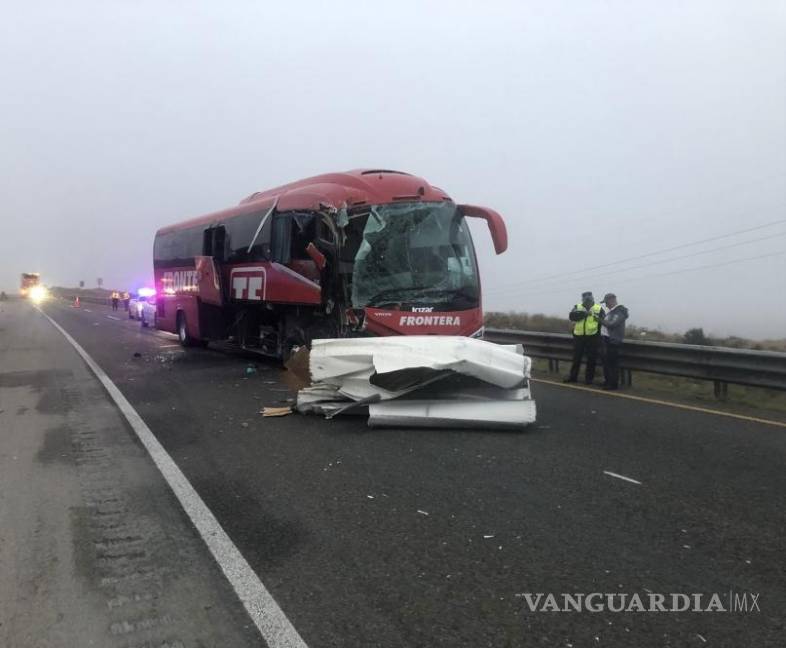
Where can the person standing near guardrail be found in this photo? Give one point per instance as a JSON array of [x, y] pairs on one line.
[[115, 299], [586, 318], [612, 333]]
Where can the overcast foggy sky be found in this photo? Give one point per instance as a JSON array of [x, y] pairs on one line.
[[600, 131]]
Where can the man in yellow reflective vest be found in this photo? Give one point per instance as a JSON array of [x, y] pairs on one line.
[[586, 318]]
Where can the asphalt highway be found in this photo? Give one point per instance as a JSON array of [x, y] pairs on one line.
[[433, 537]]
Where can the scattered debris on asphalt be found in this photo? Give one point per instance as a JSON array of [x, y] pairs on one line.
[[415, 381], [276, 411]]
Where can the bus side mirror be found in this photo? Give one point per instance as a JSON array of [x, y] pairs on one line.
[[499, 233]]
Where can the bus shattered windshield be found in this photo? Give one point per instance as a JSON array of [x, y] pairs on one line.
[[417, 254]]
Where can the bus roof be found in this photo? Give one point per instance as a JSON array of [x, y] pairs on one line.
[[350, 188]]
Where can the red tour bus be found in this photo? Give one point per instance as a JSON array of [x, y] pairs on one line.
[[367, 252]]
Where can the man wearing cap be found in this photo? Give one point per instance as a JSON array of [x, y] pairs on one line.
[[586, 318], [612, 333]]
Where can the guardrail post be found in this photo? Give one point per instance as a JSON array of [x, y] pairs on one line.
[[721, 389]]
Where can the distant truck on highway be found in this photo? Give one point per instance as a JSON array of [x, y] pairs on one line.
[[28, 282], [366, 252]]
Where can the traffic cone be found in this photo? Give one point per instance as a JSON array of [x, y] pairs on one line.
[[76, 302]]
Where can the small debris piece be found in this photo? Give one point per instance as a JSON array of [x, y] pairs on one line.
[[244, 424], [487, 537], [276, 411], [137, 354], [250, 369], [423, 512], [298, 375]]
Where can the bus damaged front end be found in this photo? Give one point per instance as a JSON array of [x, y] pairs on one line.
[[410, 269]]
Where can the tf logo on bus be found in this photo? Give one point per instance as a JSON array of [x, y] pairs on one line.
[[248, 283]]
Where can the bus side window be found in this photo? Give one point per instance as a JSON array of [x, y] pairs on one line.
[[304, 231], [214, 243], [292, 232], [282, 238], [219, 243]]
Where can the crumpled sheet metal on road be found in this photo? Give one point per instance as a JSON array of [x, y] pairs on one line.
[[420, 381]]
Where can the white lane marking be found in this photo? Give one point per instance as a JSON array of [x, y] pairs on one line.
[[87, 310], [117, 319], [268, 617], [170, 346], [623, 477]]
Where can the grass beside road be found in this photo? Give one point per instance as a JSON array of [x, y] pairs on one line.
[[749, 401]]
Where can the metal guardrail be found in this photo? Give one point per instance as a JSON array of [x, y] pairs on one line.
[[722, 365], [70, 295], [86, 300]]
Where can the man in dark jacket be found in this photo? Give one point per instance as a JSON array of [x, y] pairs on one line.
[[612, 333], [586, 317]]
